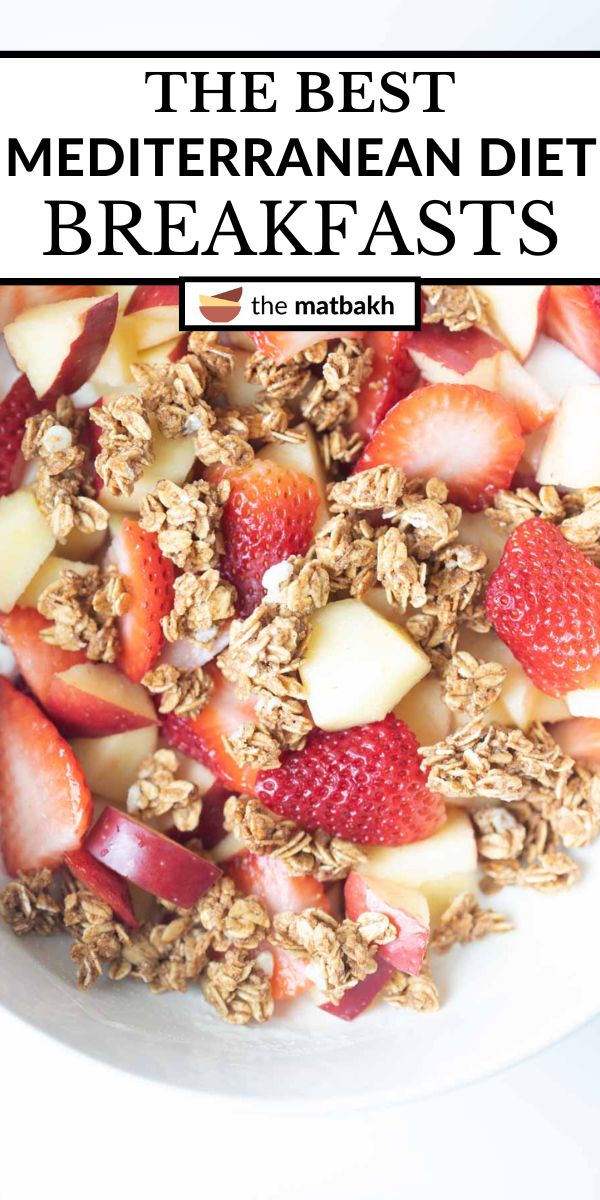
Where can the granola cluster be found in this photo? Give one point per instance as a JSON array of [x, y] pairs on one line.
[[417, 992], [125, 441], [156, 792], [576, 513], [263, 832], [543, 803], [63, 485], [201, 603], [472, 686], [495, 762], [341, 953], [455, 307], [238, 988], [28, 905], [84, 609], [262, 660], [182, 691], [465, 921], [186, 521], [323, 381]]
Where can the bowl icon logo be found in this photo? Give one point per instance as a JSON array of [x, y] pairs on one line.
[[223, 307]]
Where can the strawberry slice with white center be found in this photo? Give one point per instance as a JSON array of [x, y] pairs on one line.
[[393, 376], [468, 437], [573, 318], [45, 804], [280, 344], [148, 578], [201, 737]]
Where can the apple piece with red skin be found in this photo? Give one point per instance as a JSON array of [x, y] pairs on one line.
[[152, 295], [516, 312], [357, 999], [556, 368], [112, 764], [406, 908], [93, 699], [103, 882], [152, 314], [473, 356], [59, 346], [169, 351], [149, 859]]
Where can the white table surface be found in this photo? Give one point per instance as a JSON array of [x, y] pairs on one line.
[[69, 1121]]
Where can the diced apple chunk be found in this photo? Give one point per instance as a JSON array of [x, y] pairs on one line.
[[111, 764], [151, 326], [94, 699], [173, 459], [584, 702], [26, 541], [520, 701], [49, 572], [516, 312], [114, 368], [169, 351], [357, 666], [571, 454], [425, 711], [240, 391], [556, 369], [58, 346], [302, 456], [441, 866], [124, 292]]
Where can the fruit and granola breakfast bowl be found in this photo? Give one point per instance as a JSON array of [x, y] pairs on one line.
[[300, 652]]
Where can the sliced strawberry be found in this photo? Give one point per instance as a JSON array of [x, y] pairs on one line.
[[103, 882], [462, 434], [202, 736], [15, 299], [19, 403], [573, 318], [38, 662], [579, 737], [289, 976], [364, 784], [393, 377], [270, 514], [280, 344], [45, 804], [148, 577], [267, 878], [544, 602]]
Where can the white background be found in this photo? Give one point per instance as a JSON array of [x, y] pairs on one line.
[[71, 1127], [490, 98]]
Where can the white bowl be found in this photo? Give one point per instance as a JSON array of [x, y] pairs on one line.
[[503, 999]]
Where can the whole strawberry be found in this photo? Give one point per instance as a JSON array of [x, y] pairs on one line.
[[364, 784], [544, 602]]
